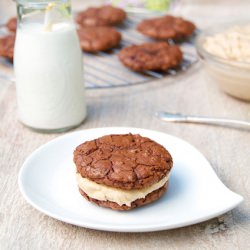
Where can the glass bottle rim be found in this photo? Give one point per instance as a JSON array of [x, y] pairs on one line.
[[40, 2]]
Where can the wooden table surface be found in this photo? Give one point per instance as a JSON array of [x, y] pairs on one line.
[[228, 150]]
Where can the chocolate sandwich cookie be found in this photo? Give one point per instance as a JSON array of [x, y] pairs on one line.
[[151, 56], [101, 16], [166, 27], [7, 46], [12, 24], [93, 39], [122, 171]]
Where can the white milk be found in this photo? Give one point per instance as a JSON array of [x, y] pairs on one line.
[[49, 77]]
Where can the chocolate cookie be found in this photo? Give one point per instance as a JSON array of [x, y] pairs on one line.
[[12, 24], [151, 56], [93, 39], [166, 27], [7, 46], [122, 171], [101, 16]]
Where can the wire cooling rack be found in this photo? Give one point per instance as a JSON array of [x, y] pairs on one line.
[[104, 70]]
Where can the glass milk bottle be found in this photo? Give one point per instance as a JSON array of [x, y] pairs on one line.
[[48, 66]]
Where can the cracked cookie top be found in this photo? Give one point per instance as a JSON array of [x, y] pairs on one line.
[[124, 161]]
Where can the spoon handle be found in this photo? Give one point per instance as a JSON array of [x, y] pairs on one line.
[[169, 117]]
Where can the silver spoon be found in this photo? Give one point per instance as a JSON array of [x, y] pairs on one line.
[[169, 117]]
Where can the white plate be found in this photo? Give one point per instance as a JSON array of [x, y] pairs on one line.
[[47, 181]]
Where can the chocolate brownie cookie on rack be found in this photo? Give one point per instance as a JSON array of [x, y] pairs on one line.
[[123, 171], [94, 39], [7, 46], [12, 24], [159, 56], [101, 16], [166, 27]]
